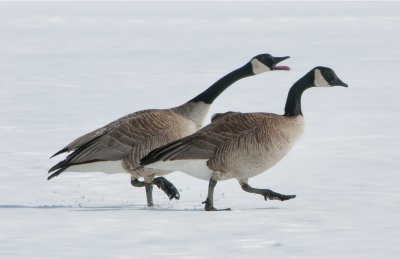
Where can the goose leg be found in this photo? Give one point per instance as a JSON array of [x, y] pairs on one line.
[[149, 190], [209, 202], [161, 183], [268, 194], [167, 187], [149, 194]]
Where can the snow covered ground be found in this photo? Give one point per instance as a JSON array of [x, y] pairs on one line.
[[68, 68]]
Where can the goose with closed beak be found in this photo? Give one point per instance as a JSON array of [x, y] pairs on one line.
[[119, 146], [241, 145]]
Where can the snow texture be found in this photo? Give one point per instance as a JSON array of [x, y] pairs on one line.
[[68, 68]]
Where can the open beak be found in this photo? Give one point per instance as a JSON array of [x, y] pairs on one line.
[[277, 60]]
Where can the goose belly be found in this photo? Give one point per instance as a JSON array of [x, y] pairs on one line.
[[108, 167], [197, 168]]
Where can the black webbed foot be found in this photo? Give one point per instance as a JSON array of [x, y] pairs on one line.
[[210, 207], [266, 193], [167, 187], [270, 195]]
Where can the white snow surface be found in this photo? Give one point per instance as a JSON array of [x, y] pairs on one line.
[[68, 68]]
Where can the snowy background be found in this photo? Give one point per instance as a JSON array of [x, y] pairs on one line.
[[68, 68]]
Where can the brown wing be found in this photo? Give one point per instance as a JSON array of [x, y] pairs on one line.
[[87, 138], [130, 138], [217, 116], [216, 136]]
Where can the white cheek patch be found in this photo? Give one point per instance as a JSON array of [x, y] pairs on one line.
[[319, 79], [259, 67]]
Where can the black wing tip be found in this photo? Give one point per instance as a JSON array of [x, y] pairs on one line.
[[51, 176], [59, 165], [55, 174], [163, 153], [60, 152], [147, 160], [152, 157], [58, 172]]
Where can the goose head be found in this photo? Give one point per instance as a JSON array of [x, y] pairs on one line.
[[325, 77], [317, 77], [266, 62]]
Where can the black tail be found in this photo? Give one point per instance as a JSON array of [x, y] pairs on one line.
[[67, 162], [56, 173], [60, 152], [60, 167]]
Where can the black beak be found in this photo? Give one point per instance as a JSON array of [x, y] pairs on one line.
[[337, 81], [277, 60]]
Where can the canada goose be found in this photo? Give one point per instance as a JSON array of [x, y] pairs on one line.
[[119, 146], [241, 145]]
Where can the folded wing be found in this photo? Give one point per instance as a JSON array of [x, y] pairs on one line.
[[130, 137], [225, 130]]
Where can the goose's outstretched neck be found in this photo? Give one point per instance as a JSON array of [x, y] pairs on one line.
[[293, 101], [211, 93]]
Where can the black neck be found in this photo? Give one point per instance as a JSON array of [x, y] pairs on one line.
[[211, 93], [293, 101]]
